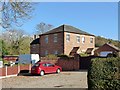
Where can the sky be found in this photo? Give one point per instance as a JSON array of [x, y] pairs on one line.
[[98, 18]]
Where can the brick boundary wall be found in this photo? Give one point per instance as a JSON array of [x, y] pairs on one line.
[[13, 70], [66, 63]]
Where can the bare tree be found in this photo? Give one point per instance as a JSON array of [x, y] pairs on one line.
[[13, 35], [43, 27], [14, 12], [13, 38]]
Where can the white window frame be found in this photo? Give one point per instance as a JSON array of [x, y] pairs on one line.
[[67, 37], [55, 38], [56, 52], [83, 39], [91, 40], [46, 39], [78, 39], [46, 52]]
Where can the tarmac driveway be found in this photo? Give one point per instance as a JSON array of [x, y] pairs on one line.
[[71, 79]]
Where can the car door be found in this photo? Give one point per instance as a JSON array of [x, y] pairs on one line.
[[51, 68], [45, 67]]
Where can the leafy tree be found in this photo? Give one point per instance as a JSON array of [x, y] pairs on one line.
[[99, 41], [13, 12], [16, 42], [3, 50], [43, 27]]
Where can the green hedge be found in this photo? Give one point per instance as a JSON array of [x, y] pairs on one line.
[[63, 56], [51, 56], [104, 74]]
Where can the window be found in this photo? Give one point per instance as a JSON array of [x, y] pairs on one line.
[[91, 40], [56, 52], [55, 37], [83, 39], [67, 37], [50, 65], [45, 65], [46, 39], [46, 52], [78, 39]]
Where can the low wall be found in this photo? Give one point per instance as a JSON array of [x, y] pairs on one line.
[[66, 64], [3, 71], [13, 70], [51, 61]]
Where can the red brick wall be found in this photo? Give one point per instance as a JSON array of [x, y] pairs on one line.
[[66, 64], [14, 69], [69, 64], [105, 47], [10, 58], [68, 46], [51, 61], [62, 46], [51, 46], [34, 49], [24, 67]]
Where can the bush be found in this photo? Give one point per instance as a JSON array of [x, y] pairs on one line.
[[104, 73], [51, 56], [63, 56], [1, 59], [84, 54], [111, 55], [5, 62]]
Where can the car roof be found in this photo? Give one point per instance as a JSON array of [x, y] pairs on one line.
[[44, 62]]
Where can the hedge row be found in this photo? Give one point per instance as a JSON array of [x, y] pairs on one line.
[[104, 73]]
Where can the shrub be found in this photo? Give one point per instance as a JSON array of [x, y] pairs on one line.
[[5, 62], [84, 54], [1, 59], [104, 73], [63, 56], [111, 55], [51, 56]]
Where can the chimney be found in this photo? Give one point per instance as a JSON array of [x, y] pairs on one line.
[[34, 37]]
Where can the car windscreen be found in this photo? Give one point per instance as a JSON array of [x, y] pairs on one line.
[[36, 65]]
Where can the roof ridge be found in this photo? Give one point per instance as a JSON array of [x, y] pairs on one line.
[[67, 28], [113, 46]]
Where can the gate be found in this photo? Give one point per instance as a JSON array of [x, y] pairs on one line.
[[84, 62]]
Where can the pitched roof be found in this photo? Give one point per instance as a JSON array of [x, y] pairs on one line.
[[36, 41], [67, 28], [116, 48]]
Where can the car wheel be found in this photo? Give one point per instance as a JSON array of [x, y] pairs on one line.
[[42, 73], [58, 71]]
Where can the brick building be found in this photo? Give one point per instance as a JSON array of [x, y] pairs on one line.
[[64, 39], [107, 48]]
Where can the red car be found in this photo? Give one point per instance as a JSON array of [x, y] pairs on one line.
[[45, 67]]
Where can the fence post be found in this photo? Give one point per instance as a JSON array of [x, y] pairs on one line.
[[18, 68], [5, 70], [30, 68]]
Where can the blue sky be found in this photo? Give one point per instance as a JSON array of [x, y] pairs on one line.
[[98, 18]]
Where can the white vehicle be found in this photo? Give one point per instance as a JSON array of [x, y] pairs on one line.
[[28, 58], [1, 64]]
